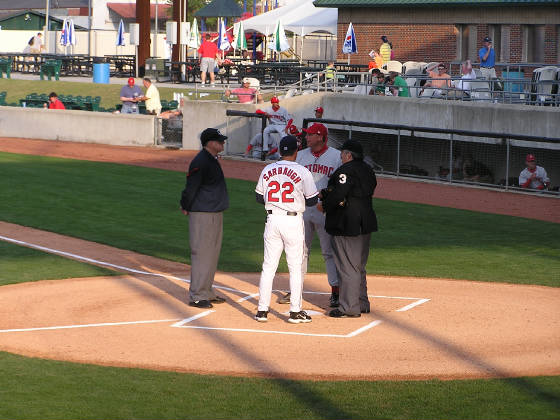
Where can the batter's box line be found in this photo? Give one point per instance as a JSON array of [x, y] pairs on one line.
[[182, 324], [248, 296]]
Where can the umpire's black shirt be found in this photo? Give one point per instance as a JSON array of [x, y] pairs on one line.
[[347, 200], [205, 190]]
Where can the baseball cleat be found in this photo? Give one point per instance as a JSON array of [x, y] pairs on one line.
[[261, 316], [201, 304], [299, 317], [337, 313], [285, 298], [334, 300]]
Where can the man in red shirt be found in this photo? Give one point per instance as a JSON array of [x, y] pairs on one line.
[[54, 102], [208, 52]]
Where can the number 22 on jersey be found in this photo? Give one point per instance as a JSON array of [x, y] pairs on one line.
[[280, 193]]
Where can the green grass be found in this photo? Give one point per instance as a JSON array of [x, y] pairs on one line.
[[20, 264], [42, 389], [138, 209], [110, 93]]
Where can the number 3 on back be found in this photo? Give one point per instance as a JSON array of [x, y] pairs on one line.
[[274, 190]]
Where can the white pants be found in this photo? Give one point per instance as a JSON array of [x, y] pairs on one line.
[[282, 233], [272, 129], [314, 221], [488, 73]]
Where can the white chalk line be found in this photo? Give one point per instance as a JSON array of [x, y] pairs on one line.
[[104, 324], [182, 323]]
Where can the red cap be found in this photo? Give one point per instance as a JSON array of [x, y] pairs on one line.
[[317, 129], [319, 109], [131, 81], [274, 100], [530, 158]]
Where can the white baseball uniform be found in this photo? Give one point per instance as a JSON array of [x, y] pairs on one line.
[[257, 148], [321, 165], [277, 121], [285, 186], [540, 179]]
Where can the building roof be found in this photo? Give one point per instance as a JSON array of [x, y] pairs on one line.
[[5, 15], [40, 4], [428, 3], [128, 10], [220, 8]]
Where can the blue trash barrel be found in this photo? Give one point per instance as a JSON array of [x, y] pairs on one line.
[[100, 72], [511, 86]]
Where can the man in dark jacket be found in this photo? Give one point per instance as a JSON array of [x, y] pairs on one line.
[[350, 219], [204, 199]]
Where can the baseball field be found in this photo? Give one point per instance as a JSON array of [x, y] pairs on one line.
[[464, 285]]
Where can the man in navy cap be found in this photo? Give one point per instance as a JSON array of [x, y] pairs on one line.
[[350, 219], [487, 58], [204, 200]]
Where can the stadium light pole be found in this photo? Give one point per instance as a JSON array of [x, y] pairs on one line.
[[46, 43], [156, 29], [89, 29]]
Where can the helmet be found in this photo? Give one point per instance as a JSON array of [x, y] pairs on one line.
[[274, 100]]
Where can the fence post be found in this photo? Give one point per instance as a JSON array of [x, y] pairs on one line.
[[398, 152], [507, 163], [451, 159]]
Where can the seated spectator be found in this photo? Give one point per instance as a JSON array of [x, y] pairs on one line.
[[398, 85], [245, 93], [533, 176], [476, 171], [440, 81], [464, 85], [376, 62], [379, 86], [54, 102], [173, 113]]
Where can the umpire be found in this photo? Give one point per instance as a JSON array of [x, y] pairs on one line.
[[204, 199], [350, 219]]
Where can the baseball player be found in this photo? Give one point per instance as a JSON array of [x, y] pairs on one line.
[[278, 118], [285, 188], [319, 112], [322, 161], [255, 148], [533, 176]]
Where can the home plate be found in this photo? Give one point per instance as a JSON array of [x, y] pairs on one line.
[[308, 312]]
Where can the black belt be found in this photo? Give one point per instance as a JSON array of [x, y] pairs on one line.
[[487, 67], [289, 213]]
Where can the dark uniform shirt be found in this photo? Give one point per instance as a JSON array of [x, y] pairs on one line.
[[205, 190], [347, 200]]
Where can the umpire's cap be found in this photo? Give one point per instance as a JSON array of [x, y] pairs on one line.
[[288, 145], [354, 147], [211, 134]]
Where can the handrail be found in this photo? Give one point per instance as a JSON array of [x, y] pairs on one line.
[[512, 136]]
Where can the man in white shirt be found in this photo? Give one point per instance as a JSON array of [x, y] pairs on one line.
[[465, 83], [153, 104], [533, 176], [278, 118]]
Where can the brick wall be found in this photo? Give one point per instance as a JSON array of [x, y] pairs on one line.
[[432, 42]]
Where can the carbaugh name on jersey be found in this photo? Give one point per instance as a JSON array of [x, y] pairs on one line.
[[282, 171], [317, 168]]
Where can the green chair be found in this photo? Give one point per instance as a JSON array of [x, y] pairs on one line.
[[50, 68], [5, 67]]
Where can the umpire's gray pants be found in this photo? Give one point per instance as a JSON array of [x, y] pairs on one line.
[[205, 240], [351, 255]]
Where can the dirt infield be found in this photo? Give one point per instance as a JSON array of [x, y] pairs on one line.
[[418, 328]]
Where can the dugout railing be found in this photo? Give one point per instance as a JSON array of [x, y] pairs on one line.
[[442, 155]]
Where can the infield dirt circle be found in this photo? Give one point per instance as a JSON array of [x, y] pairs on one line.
[[418, 328]]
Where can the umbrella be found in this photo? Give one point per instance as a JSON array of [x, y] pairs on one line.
[[64, 33], [120, 34], [194, 36], [280, 42], [71, 32], [240, 42], [350, 46], [223, 41]]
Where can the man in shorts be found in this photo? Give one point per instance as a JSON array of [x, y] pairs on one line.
[[208, 51]]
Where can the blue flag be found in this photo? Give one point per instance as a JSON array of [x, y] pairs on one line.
[[350, 46], [120, 34]]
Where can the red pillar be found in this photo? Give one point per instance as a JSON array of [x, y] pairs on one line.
[[143, 18]]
